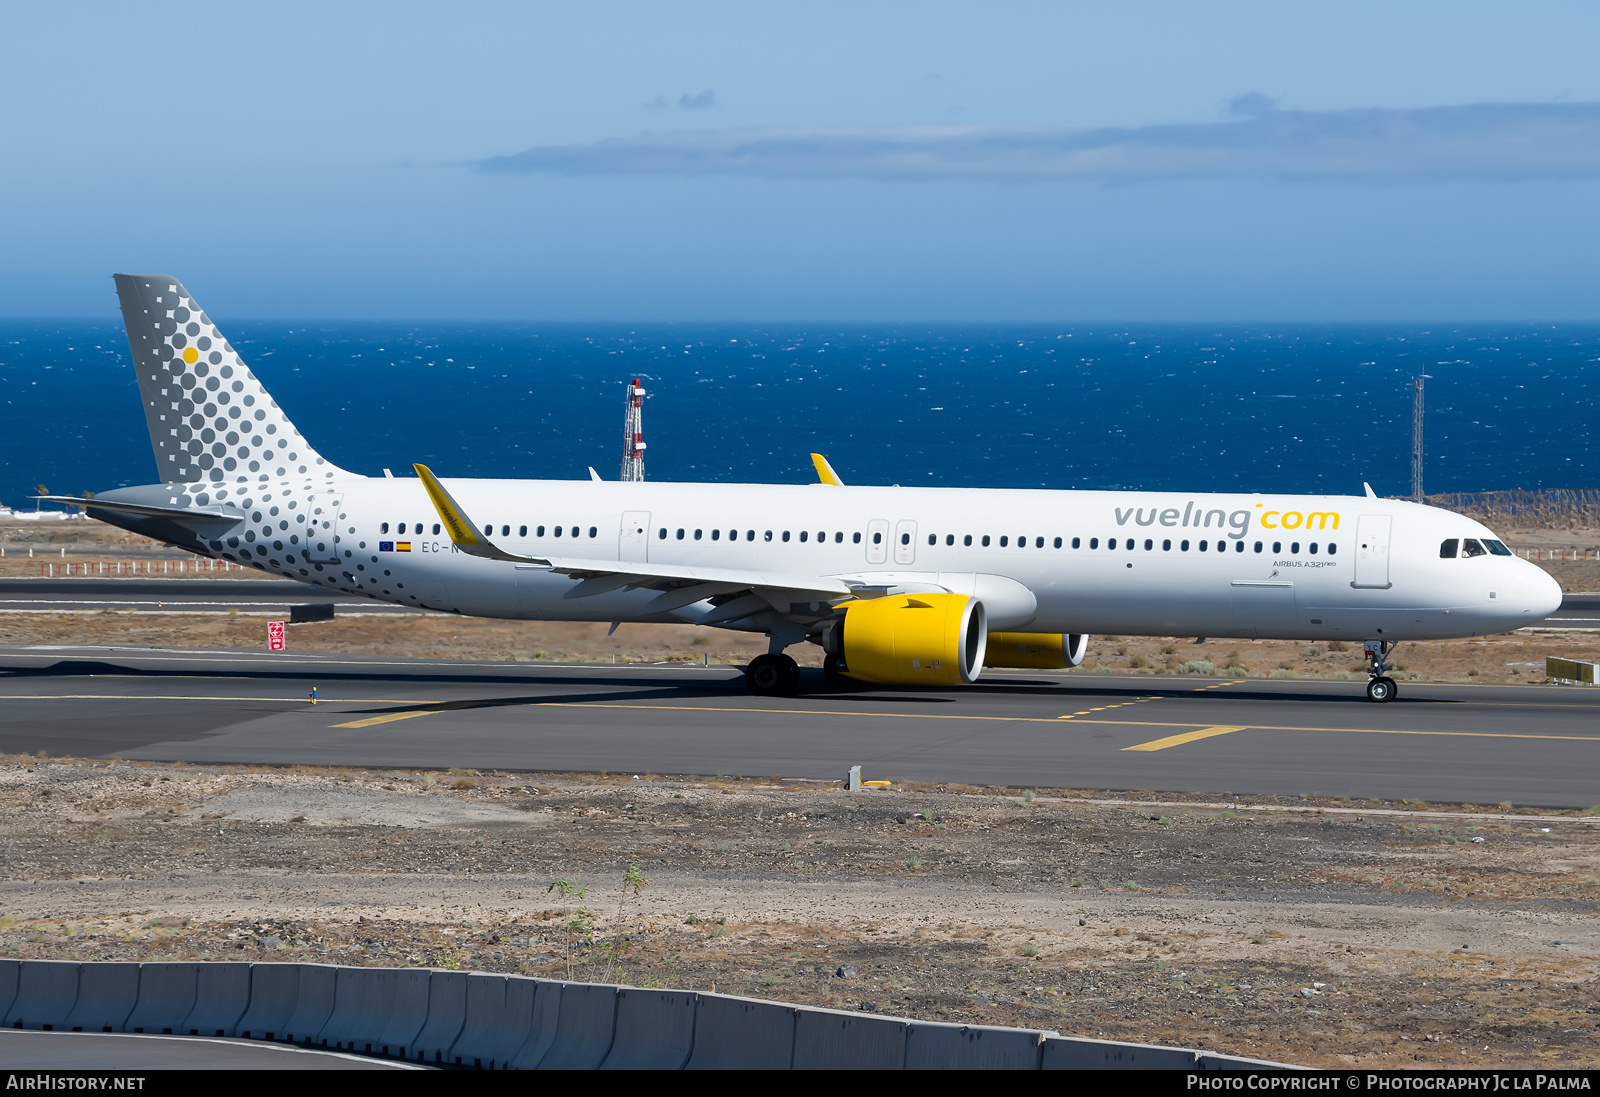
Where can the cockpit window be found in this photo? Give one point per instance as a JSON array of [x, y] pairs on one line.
[[1497, 547], [1447, 550], [1470, 548]]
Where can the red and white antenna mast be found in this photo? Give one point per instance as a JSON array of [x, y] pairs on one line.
[[633, 434]]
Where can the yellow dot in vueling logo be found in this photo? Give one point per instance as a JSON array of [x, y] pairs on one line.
[[191, 355]]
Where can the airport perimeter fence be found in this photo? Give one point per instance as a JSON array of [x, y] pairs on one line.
[[111, 568], [497, 1022]]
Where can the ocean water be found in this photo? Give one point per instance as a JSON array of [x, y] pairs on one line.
[[1197, 408]]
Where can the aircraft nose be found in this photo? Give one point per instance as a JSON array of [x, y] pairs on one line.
[[1541, 593]]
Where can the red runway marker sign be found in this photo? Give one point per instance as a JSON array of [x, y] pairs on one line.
[[275, 635]]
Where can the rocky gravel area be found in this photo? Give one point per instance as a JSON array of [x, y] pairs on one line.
[[1312, 931]]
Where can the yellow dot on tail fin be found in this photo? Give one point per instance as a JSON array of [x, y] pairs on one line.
[[191, 355]]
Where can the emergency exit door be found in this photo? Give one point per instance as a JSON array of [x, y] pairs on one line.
[[633, 541]]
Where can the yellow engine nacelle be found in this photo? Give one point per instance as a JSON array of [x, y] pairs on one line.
[[1035, 650], [911, 639]]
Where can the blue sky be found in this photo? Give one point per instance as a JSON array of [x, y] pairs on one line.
[[911, 162]]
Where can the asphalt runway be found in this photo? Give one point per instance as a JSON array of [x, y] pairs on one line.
[[1531, 745], [40, 594], [93, 593]]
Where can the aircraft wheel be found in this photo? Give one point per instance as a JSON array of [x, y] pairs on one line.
[[833, 670], [1381, 690], [772, 675]]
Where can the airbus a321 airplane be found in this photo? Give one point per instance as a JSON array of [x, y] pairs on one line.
[[904, 586]]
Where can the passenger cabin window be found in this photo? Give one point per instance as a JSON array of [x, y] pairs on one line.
[[933, 538], [1112, 543], [1058, 542], [805, 535], [436, 529], [1149, 544], [1183, 546], [905, 538], [488, 531], [838, 538], [1447, 549], [401, 528], [877, 538], [716, 534], [1238, 546], [1258, 546], [660, 536], [1094, 542], [1076, 542], [556, 532], [594, 531], [538, 532], [1332, 548], [985, 541], [1277, 547], [1003, 541], [522, 531], [786, 535], [680, 534], [1294, 548], [697, 535], [505, 531], [1166, 546], [383, 527], [949, 539], [1470, 547], [855, 538], [768, 535], [967, 540], [1313, 548]]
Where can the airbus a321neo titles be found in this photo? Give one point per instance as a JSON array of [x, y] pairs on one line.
[[905, 586]]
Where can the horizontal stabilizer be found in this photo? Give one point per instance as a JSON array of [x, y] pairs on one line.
[[145, 509]]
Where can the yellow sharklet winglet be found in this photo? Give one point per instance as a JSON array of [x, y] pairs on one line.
[[462, 532], [825, 473]]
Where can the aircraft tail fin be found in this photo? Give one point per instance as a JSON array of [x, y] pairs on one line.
[[210, 419]]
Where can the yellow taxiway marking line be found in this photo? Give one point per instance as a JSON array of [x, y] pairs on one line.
[[1050, 720], [1107, 708], [1186, 737], [389, 718]]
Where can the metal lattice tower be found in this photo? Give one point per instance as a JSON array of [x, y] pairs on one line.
[[633, 434], [1416, 437]]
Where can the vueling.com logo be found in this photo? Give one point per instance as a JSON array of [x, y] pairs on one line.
[[1235, 523]]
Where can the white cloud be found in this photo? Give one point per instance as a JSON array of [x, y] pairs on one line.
[[1507, 140]]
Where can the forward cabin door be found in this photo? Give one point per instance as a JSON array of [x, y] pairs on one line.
[[1372, 551], [633, 542]]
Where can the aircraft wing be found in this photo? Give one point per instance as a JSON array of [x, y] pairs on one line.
[[681, 585]]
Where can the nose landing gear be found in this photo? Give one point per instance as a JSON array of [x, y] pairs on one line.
[[1380, 687]]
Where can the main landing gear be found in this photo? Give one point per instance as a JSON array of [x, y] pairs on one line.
[[1380, 687], [772, 675]]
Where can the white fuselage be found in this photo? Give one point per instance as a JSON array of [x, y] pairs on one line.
[[1292, 567]]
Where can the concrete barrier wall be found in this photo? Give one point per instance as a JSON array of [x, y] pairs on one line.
[[408, 1014], [166, 998], [831, 1039], [363, 1000], [541, 1027], [313, 1003], [934, 1046], [221, 996], [447, 1013], [654, 1030], [742, 1034], [585, 1023], [8, 985], [476, 1019], [46, 992], [274, 992]]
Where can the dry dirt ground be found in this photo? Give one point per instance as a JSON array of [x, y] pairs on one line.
[[1306, 931], [1514, 657]]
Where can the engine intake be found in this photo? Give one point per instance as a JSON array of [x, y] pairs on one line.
[[911, 639], [1035, 650]]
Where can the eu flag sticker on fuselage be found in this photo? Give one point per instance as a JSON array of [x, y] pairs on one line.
[[385, 546]]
